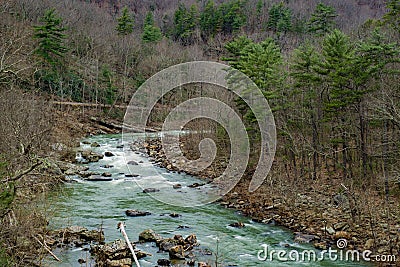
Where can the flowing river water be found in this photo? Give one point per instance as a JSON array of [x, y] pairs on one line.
[[103, 204]]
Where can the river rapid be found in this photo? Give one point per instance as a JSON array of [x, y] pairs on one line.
[[102, 204]]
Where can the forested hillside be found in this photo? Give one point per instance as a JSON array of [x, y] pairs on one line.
[[329, 69]]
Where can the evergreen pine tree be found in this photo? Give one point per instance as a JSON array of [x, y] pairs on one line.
[[149, 19], [185, 22], [209, 19], [125, 22], [261, 63], [151, 33], [233, 17], [392, 17], [50, 35], [280, 18], [322, 19]]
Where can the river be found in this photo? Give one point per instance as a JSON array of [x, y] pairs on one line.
[[103, 204]]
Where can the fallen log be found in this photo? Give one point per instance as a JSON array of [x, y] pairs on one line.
[[47, 248]]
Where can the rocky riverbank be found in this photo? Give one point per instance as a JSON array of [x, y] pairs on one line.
[[318, 212]]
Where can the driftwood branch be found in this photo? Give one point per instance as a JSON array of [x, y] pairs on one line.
[[121, 227], [25, 172], [47, 248]]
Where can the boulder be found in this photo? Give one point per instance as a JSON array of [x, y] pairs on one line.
[[163, 262], [177, 186], [107, 166], [69, 168], [237, 224], [195, 185], [151, 190], [174, 215], [341, 226], [98, 178], [342, 234], [304, 238], [86, 174], [106, 174], [94, 144], [191, 240], [91, 156], [149, 236], [77, 235], [136, 213], [176, 252], [167, 243], [328, 230], [116, 254], [108, 154], [131, 175]]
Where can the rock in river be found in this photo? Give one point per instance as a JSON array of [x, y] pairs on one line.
[[177, 186], [149, 236], [177, 252], [77, 235], [108, 154], [150, 190], [136, 213], [95, 144], [237, 224], [304, 238], [91, 156], [163, 262], [98, 178], [116, 253], [195, 185], [131, 175]]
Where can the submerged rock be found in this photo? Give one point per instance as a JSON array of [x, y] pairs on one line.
[[132, 162], [136, 213], [108, 154]]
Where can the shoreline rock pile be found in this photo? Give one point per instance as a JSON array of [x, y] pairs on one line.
[[115, 254]]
